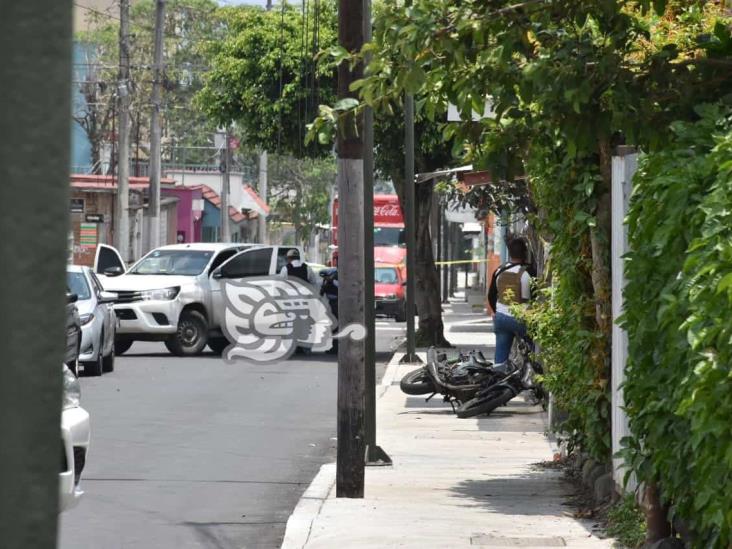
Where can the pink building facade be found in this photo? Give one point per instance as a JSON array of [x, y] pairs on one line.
[[190, 212]]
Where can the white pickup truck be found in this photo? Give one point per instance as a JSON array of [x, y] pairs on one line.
[[169, 294]]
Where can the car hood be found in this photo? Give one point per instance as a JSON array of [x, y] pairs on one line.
[[390, 254], [134, 282], [85, 306], [381, 289]]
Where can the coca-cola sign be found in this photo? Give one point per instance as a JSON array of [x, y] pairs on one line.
[[386, 212], [392, 211]]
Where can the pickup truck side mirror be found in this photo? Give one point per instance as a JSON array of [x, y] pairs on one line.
[[113, 271], [107, 297]]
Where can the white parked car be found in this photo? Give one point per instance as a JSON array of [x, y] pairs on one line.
[[75, 435], [97, 318], [169, 294]]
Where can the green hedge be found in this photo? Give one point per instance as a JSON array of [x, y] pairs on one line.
[[679, 321]]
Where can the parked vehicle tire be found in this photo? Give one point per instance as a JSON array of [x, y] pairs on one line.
[[417, 382], [218, 344], [122, 345], [191, 336], [108, 361], [74, 367], [95, 367], [401, 316], [484, 404]]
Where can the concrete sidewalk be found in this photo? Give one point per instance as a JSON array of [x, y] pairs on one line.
[[454, 483]]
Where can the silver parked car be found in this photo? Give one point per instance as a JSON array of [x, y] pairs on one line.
[[98, 321]]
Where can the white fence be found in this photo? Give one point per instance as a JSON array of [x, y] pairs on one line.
[[623, 167]]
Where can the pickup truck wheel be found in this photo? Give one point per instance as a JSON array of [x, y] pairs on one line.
[[95, 367], [122, 345], [108, 361], [191, 336], [401, 315]]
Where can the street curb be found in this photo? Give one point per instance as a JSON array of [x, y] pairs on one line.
[[300, 523], [392, 369], [297, 531]]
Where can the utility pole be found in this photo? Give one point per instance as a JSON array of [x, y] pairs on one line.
[[445, 253], [409, 220], [351, 353], [35, 40], [121, 210], [225, 189], [374, 454], [262, 219], [262, 186], [155, 133]]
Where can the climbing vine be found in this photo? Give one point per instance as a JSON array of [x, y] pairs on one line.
[[678, 302]]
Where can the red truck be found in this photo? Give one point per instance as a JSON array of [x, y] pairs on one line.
[[389, 237]]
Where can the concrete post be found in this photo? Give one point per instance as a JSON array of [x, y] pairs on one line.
[[155, 130], [624, 166], [35, 40], [122, 202]]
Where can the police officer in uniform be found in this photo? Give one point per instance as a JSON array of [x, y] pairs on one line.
[[297, 269]]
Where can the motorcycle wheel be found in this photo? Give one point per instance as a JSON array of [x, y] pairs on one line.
[[485, 403], [417, 382]]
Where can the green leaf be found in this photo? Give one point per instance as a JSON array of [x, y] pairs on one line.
[[346, 104], [414, 79], [725, 283]]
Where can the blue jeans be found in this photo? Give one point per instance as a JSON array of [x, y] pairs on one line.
[[506, 328]]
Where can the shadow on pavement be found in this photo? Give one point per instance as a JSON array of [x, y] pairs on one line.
[[535, 493]]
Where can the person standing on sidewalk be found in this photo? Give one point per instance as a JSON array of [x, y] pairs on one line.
[[510, 284]]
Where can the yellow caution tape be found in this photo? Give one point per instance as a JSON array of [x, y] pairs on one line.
[[456, 262]]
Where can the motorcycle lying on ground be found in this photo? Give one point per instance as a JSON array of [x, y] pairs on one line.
[[457, 380], [517, 374]]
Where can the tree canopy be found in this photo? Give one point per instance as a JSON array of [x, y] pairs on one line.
[[188, 24], [264, 74]]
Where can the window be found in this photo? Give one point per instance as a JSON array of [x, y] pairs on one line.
[[385, 275], [107, 258], [250, 263], [389, 236], [76, 205], [78, 285], [173, 262], [282, 257], [223, 256]]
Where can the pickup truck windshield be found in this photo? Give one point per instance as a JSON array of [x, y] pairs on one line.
[[173, 262]]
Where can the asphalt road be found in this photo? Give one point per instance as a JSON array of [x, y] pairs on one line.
[[194, 453]]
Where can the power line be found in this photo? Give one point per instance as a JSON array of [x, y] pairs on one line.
[[191, 68], [103, 14]]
